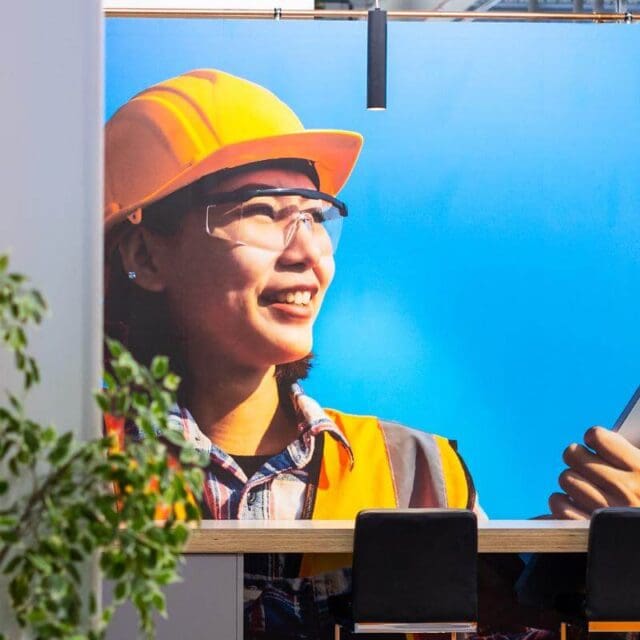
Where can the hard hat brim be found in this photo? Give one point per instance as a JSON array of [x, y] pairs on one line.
[[333, 152]]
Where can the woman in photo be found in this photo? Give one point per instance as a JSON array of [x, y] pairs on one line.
[[222, 222]]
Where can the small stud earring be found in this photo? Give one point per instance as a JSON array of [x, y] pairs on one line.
[[132, 275]]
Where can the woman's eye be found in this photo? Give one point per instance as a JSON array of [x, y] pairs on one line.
[[318, 215], [258, 211]]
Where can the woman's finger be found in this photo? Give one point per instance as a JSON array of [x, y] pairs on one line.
[[613, 448], [564, 509], [584, 494], [619, 486]]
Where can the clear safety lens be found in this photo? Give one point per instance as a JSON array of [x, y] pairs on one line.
[[273, 222]]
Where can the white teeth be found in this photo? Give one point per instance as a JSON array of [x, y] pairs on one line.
[[295, 297]]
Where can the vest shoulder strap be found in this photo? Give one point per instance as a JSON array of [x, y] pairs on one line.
[[457, 480]]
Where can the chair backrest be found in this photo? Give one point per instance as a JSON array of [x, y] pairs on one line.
[[613, 565], [415, 565]]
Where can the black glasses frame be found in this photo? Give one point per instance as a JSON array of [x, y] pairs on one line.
[[244, 194]]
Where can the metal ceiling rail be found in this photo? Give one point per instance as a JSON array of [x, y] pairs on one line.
[[302, 14]]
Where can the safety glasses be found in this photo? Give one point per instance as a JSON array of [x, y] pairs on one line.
[[272, 218]]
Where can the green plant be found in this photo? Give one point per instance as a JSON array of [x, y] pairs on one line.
[[69, 513]]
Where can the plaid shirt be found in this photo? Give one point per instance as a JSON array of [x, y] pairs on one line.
[[277, 602]]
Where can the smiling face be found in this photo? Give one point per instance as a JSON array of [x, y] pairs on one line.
[[248, 306]]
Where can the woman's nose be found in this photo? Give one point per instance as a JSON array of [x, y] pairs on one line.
[[301, 243]]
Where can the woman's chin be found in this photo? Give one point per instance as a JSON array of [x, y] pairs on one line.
[[293, 358], [292, 352]]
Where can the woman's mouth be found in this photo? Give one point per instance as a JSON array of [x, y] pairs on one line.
[[294, 302], [294, 297]]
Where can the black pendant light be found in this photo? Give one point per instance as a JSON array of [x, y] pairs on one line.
[[376, 59]]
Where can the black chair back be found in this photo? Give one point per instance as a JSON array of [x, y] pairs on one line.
[[415, 565], [613, 565]]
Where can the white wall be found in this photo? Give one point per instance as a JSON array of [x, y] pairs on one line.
[[50, 180]]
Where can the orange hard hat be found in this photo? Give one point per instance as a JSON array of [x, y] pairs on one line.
[[179, 130]]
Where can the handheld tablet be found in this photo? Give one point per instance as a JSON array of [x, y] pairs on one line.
[[628, 424]]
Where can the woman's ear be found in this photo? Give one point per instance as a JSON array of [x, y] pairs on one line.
[[141, 259]]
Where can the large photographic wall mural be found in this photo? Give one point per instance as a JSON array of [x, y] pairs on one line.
[[486, 282]]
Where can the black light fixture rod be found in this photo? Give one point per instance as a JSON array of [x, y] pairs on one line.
[[377, 59]]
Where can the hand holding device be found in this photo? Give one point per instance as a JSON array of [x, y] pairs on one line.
[[605, 472]]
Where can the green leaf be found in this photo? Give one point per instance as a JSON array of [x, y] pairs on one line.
[[9, 537], [32, 441], [20, 360], [108, 380], [159, 601], [61, 449], [121, 591], [107, 614], [193, 512], [181, 534], [175, 437], [8, 521], [115, 348], [39, 299], [13, 565], [124, 373], [103, 402], [171, 382], [122, 404], [15, 403], [18, 589], [14, 466], [54, 544], [189, 455], [40, 563], [36, 616], [48, 435], [160, 367], [75, 574]]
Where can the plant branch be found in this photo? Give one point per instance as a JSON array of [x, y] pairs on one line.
[[36, 498]]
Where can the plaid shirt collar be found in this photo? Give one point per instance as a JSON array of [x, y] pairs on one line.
[[312, 421]]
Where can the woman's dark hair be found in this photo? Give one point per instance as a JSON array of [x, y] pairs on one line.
[[139, 318]]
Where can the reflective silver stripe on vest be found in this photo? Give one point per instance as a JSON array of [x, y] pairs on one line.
[[415, 465]]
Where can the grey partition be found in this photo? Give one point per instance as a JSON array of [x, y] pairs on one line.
[[207, 605]]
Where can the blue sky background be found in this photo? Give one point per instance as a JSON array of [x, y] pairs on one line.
[[488, 273]]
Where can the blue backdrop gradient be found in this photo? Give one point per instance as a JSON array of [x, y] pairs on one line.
[[488, 273]]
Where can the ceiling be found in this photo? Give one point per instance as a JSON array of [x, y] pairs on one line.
[[551, 6]]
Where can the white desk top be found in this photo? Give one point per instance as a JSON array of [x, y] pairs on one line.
[[336, 536]]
